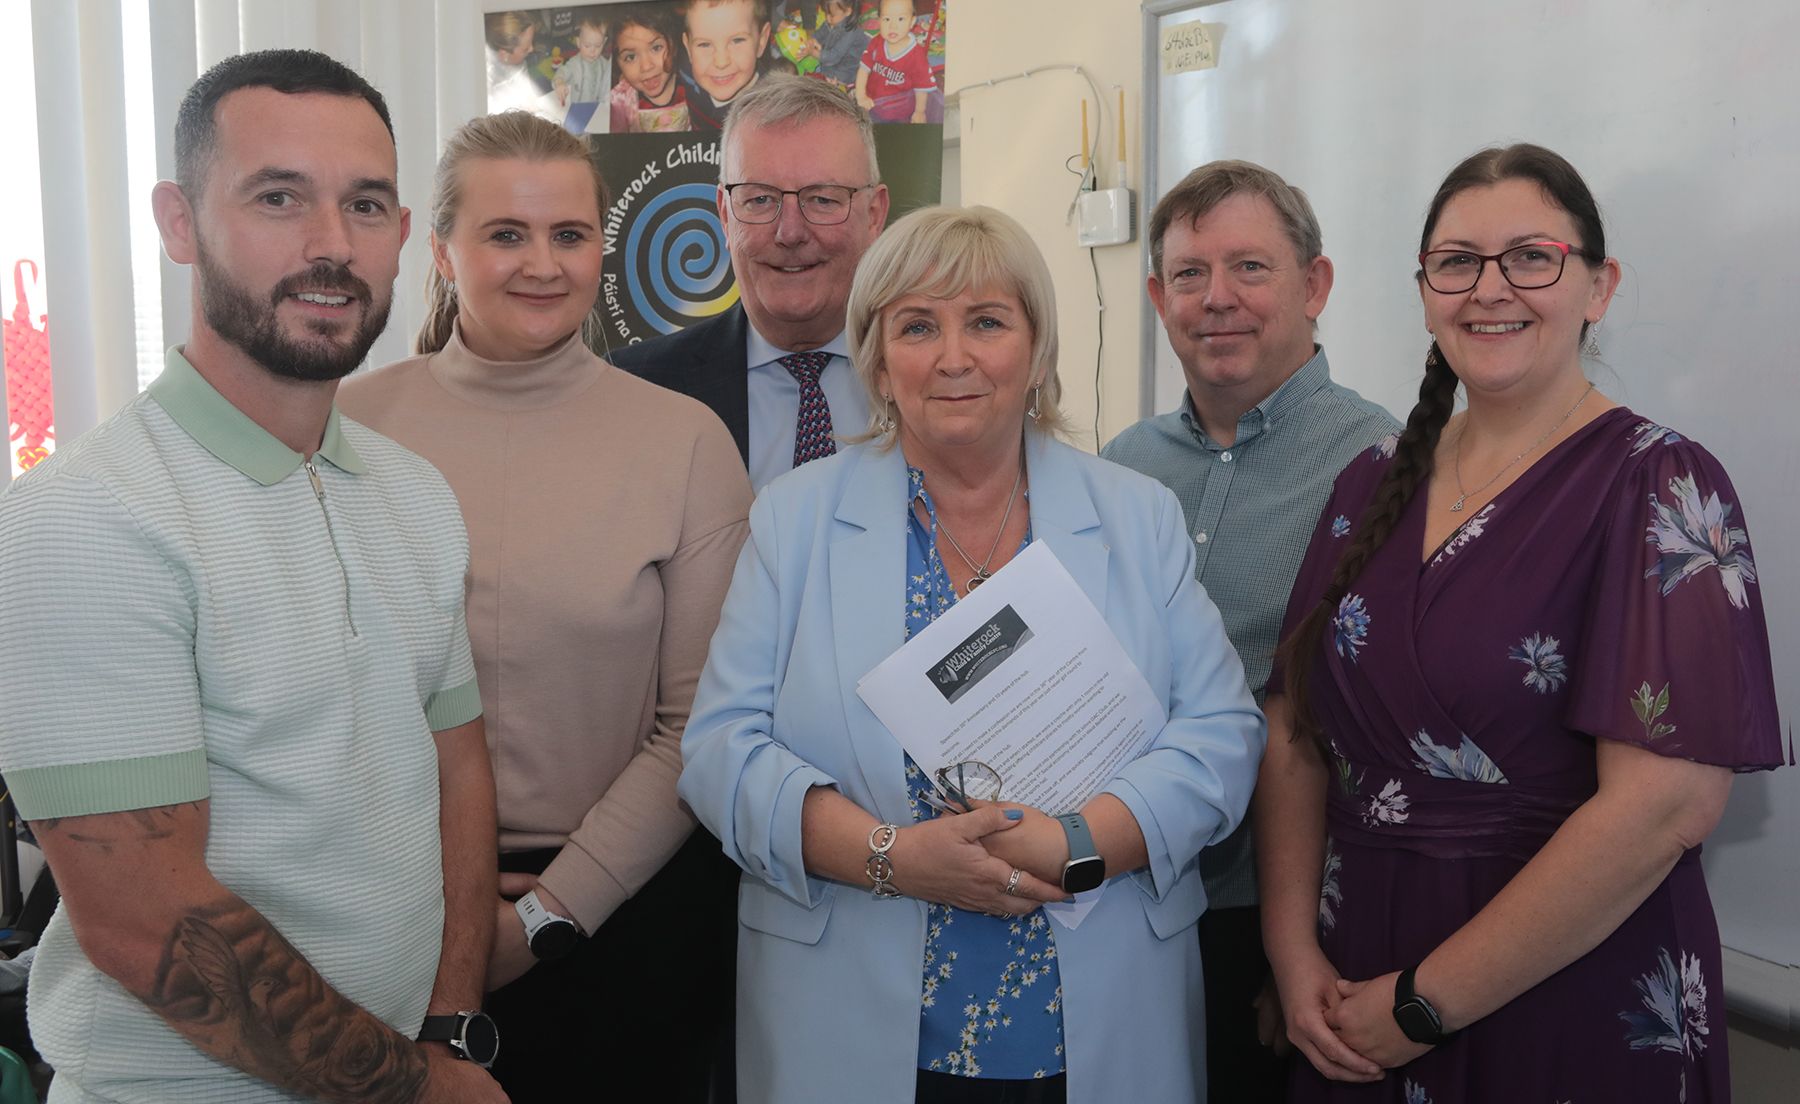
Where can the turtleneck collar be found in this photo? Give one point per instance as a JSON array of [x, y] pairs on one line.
[[562, 373]]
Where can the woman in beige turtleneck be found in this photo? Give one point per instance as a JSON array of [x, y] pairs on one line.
[[604, 516]]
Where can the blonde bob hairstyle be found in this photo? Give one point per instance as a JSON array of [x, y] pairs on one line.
[[508, 136], [941, 252]]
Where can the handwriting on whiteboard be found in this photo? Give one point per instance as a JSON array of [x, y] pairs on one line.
[[1186, 47]]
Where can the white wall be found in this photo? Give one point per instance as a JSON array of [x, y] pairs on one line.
[[1014, 138]]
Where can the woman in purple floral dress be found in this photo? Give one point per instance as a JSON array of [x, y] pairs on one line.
[[1526, 654]]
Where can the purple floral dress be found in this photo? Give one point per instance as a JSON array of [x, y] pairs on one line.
[[1609, 592]]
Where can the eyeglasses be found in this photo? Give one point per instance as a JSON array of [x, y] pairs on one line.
[[820, 204], [1532, 265], [970, 780]]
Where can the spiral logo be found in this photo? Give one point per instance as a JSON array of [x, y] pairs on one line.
[[680, 272]]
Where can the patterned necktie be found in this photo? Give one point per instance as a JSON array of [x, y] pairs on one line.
[[812, 430]]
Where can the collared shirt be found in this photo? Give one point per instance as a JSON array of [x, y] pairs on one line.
[[1250, 508], [203, 613], [775, 403]]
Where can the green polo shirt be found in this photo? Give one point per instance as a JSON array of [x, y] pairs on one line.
[[1250, 508], [197, 611]]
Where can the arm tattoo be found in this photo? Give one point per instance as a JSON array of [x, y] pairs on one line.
[[110, 830], [231, 984]]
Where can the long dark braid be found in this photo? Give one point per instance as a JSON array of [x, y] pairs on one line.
[[1414, 456], [1416, 451]]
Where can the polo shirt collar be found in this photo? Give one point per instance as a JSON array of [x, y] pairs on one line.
[[759, 351], [230, 434], [1294, 390]]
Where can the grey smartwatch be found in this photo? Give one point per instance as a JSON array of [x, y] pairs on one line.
[[1085, 869]]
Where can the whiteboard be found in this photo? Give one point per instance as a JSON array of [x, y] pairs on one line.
[[1685, 120]]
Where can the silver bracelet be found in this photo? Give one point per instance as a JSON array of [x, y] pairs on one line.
[[880, 868]]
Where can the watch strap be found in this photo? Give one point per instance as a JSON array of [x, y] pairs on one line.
[[1418, 1018], [534, 915], [1081, 840], [1084, 869], [480, 1046]]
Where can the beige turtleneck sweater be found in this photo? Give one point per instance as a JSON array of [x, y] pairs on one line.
[[605, 515]]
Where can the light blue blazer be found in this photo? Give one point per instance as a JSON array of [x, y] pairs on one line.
[[830, 978]]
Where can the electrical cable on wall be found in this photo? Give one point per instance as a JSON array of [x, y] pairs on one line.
[[1085, 183], [1099, 309]]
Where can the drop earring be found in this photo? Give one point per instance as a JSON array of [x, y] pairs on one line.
[[1033, 412], [885, 423]]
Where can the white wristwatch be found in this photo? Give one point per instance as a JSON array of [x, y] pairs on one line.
[[550, 936]]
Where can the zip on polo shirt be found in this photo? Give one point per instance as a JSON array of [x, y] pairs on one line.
[[318, 486]]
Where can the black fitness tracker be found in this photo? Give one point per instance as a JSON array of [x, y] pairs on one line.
[[1415, 1015], [472, 1036], [549, 935], [1085, 869]]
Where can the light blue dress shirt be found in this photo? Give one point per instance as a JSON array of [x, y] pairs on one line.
[[775, 404]]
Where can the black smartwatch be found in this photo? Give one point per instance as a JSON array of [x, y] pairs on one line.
[[1415, 1015], [549, 935], [472, 1036], [1085, 869]]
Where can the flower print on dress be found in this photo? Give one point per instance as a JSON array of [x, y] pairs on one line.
[[1385, 448], [1415, 1093], [1545, 668], [1350, 627], [1331, 895], [1649, 705], [1348, 778], [1470, 530], [1340, 526], [1646, 435], [1674, 1013], [1388, 806], [1466, 762], [1692, 534]]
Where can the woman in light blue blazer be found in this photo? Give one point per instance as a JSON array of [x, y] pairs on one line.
[[889, 950]]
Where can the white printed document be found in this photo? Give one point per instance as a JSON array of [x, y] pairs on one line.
[[1025, 676]]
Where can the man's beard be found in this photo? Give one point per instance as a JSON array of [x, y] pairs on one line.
[[235, 314]]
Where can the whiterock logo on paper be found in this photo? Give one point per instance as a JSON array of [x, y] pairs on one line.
[[980, 653]]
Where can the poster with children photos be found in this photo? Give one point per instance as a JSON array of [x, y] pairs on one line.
[[649, 85]]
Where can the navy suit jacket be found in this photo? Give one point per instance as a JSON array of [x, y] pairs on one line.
[[707, 361]]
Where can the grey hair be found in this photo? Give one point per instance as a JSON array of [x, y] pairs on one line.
[[781, 100], [942, 252], [1214, 183]]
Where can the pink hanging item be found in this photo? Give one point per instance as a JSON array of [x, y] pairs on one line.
[[27, 351]]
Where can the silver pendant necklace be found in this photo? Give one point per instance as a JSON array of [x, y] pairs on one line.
[[1463, 496], [980, 570]]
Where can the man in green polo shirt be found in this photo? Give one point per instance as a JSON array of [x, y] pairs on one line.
[[1239, 279], [247, 734]]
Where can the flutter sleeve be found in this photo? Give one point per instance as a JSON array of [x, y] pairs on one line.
[[1677, 652]]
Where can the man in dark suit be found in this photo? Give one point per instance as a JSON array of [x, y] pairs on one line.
[[801, 198]]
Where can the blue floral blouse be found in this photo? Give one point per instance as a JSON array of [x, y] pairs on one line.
[[992, 997]]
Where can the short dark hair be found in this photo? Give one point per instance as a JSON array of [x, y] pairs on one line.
[[287, 71], [1217, 181]]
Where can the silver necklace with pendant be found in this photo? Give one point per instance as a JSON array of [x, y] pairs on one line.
[[1463, 496], [980, 570]]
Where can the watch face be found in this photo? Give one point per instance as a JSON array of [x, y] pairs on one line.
[[481, 1039], [1418, 1022], [1081, 875], [554, 940]]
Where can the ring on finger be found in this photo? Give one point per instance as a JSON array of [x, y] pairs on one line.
[[1012, 883]]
